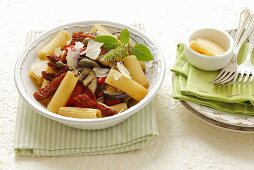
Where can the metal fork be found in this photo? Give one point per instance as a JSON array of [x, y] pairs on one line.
[[228, 73], [246, 68]]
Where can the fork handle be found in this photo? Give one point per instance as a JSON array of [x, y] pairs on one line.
[[249, 29], [248, 57], [247, 32], [243, 20]]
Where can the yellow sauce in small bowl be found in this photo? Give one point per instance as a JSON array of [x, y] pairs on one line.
[[206, 47]]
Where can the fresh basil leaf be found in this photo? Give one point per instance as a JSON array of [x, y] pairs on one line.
[[142, 52], [124, 36], [110, 42]]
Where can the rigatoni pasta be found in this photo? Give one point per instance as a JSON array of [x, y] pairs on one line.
[[59, 41], [99, 30], [63, 92], [37, 79], [127, 85], [78, 112], [136, 72], [35, 70], [142, 64], [119, 107]]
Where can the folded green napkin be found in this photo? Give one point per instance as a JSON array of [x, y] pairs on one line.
[[192, 84], [40, 136]]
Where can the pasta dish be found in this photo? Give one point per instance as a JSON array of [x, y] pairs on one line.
[[91, 74]]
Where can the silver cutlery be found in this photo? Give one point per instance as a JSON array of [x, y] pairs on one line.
[[246, 69], [229, 72]]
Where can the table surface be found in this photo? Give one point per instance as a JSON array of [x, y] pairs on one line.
[[184, 141]]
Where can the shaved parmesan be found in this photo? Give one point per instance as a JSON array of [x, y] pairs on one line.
[[93, 49], [125, 72], [78, 45], [101, 72], [72, 58], [57, 52], [117, 76], [73, 54], [38, 66]]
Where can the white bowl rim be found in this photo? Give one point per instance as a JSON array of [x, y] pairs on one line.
[[229, 50], [76, 121]]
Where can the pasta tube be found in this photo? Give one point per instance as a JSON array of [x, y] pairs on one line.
[[99, 30], [79, 112], [36, 79], [127, 85], [119, 107], [35, 70], [60, 40], [63, 92], [136, 72], [142, 64]]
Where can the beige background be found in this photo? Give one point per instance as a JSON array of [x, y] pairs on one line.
[[185, 142]]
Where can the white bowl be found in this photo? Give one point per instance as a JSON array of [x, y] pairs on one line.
[[210, 63], [26, 87]]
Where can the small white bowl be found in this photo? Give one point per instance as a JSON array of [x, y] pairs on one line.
[[210, 63], [26, 87]]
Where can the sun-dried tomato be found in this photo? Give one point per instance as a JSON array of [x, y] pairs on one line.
[[68, 46], [54, 58], [61, 70], [48, 76], [89, 93], [51, 64], [80, 36], [50, 89], [57, 65], [111, 102], [98, 92], [77, 90], [80, 89], [83, 100]]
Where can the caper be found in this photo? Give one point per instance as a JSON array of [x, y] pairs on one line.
[[85, 41], [59, 64]]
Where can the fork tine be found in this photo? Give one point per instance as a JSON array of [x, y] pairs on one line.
[[245, 79], [235, 78], [229, 79], [225, 78], [240, 78], [218, 76], [252, 76], [221, 77], [247, 76]]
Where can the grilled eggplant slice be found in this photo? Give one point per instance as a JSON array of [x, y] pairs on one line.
[[89, 79], [85, 62], [111, 92]]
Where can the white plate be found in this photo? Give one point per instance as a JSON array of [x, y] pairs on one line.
[[219, 118]]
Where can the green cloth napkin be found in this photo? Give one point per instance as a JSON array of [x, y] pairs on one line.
[[40, 136], [192, 84]]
